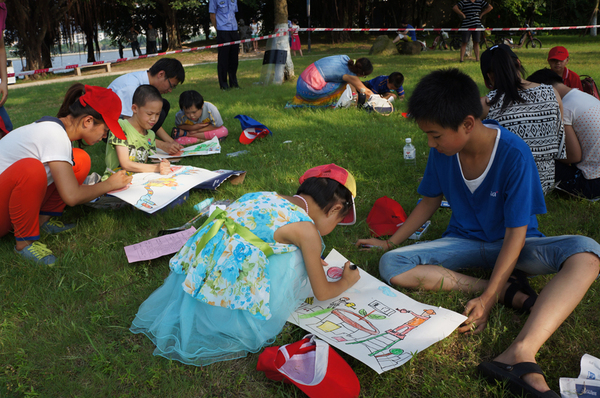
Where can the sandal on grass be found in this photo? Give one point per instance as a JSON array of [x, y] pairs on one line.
[[518, 283], [498, 371], [177, 133]]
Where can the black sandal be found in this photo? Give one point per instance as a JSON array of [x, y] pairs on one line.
[[518, 283]]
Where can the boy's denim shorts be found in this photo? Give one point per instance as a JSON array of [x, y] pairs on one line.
[[540, 256]]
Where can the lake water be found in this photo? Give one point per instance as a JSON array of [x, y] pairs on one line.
[[79, 58]]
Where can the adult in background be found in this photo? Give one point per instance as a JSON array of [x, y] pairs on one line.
[[165, 75], [4, 80], [558, 58], [222, 16], [324, 81], [132, 39], [471, 12], [150, 39], [530, 110], [582, 116]]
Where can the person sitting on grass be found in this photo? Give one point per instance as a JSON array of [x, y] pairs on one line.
[[490, 179], [581, 117], [384, 85], [41, 172], [197, 118], [130, 152], [558, 58], [166, 74]]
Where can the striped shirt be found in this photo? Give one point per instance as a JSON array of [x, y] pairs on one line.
[[472, 11]]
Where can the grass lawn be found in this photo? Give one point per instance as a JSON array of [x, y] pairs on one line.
[[64, 330]]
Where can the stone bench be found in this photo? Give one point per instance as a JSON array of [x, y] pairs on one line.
[[105, 66]]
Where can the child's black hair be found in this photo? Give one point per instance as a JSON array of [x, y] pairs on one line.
[[445, 97], [396, 78], [326, 193], [172, 68], [146, 93], [361, 66], [506, 69], [190, 98], [545, 76]]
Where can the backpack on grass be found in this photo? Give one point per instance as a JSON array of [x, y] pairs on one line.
[[589, 86]]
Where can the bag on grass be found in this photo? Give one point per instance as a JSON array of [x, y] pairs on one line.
[[589, 86], [376, 103]]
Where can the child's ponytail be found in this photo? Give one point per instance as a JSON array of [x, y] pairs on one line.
[[361, 66]]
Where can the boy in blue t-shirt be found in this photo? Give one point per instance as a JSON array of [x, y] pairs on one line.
[[490, 180], [384, 85]]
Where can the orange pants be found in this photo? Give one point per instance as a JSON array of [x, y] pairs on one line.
[[25, 195]]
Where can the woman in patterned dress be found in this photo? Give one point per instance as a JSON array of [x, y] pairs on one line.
[[240, 276], [530, 110]]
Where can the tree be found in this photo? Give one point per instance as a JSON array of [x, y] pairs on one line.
[[281, 43], [30, 23]]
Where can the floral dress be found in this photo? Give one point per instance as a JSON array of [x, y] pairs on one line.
[[232, 286]]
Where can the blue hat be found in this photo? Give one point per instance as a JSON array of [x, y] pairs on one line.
[[251, 129]]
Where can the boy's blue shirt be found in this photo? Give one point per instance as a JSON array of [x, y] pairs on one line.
[[510, 196], [379, 85]]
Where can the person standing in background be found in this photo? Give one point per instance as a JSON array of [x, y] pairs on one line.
[[254, 35], [222, 16], [471, 12], [132, 39], [3, 75], [150, 40]]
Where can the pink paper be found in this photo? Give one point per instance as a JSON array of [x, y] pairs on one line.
[[158, 247]]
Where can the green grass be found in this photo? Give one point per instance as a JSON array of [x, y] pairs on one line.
[[64, 330]]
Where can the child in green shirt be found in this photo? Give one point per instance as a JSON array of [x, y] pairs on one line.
[[132, 153]]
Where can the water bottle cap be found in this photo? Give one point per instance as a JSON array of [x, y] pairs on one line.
[[408, 140]]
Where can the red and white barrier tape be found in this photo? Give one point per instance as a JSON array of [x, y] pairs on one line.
[[447, 29], [547, 28], [46, 70]]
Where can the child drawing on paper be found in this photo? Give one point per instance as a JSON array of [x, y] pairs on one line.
[[131, 153], [197, 119], [171, 182], [236, 281]]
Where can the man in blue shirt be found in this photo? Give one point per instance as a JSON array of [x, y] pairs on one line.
[[222, 16], [384, 85]]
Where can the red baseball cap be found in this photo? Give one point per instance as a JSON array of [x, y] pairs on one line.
[[340, 175], [312, 366], [106, 103], [559, 53], [385, 217]]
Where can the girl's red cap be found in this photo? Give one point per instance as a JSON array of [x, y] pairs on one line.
[[106, 103]]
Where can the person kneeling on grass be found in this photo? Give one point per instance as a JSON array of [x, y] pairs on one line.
[[490, 179], [41, 173], [197, 118], [131, 151]]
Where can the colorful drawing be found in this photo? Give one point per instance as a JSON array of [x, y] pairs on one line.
[[210, 147], [151, 191], [381, 327]]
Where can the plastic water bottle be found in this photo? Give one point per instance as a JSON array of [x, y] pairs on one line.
[[410, 153]]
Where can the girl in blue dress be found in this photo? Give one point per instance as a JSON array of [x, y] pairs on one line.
[[239, 277]]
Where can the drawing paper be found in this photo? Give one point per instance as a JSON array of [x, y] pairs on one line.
[[373, 322], [210, 147]]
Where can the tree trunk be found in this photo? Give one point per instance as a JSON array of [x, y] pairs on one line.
[[282, 72], [172, 30], [32, 22]]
